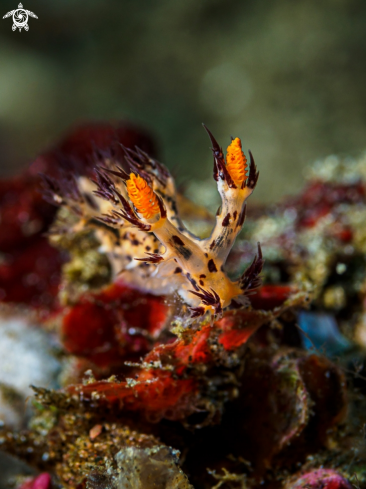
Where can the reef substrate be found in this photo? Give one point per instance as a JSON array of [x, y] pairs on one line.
[[164, 375]]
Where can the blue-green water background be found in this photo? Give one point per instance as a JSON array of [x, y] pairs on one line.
[[288, 77]]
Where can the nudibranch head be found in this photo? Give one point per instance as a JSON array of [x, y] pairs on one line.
[[142, 196], [236, 162]]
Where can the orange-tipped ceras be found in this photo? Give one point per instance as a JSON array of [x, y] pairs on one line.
[[236, 162], [142, 196]]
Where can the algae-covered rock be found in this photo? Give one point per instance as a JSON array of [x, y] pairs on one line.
[[153, 467]]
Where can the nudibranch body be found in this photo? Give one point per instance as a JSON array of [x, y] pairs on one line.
[[139, 214]]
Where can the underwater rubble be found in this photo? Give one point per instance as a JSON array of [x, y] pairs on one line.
[[226, 358]]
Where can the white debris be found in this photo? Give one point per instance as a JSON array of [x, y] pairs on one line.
[[25, 359]]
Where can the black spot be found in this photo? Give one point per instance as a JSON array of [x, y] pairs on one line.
[[220, 241], [202, 283], [193, 282], [212, 266], [177, 240], [235, 215], [241, 218], [178, 270], [91, 201], [226, 220], [174, 206], [203, 275], [212, 244], [135, 242], [156, 250], [147, 248], [206, 255], [185, 252]]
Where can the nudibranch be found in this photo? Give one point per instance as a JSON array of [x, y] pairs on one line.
[[137, 222]]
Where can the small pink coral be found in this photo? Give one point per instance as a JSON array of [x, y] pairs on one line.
[[320, 479], [42, 481]]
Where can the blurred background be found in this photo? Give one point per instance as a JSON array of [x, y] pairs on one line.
[[287, 77]]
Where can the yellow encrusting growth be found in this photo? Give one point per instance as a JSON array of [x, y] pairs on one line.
[[142, 196], [236, 162]]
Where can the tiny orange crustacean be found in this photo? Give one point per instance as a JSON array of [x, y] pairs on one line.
[[141, 208]]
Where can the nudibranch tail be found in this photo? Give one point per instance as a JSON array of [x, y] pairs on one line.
[[236, 162], [142, 196]]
